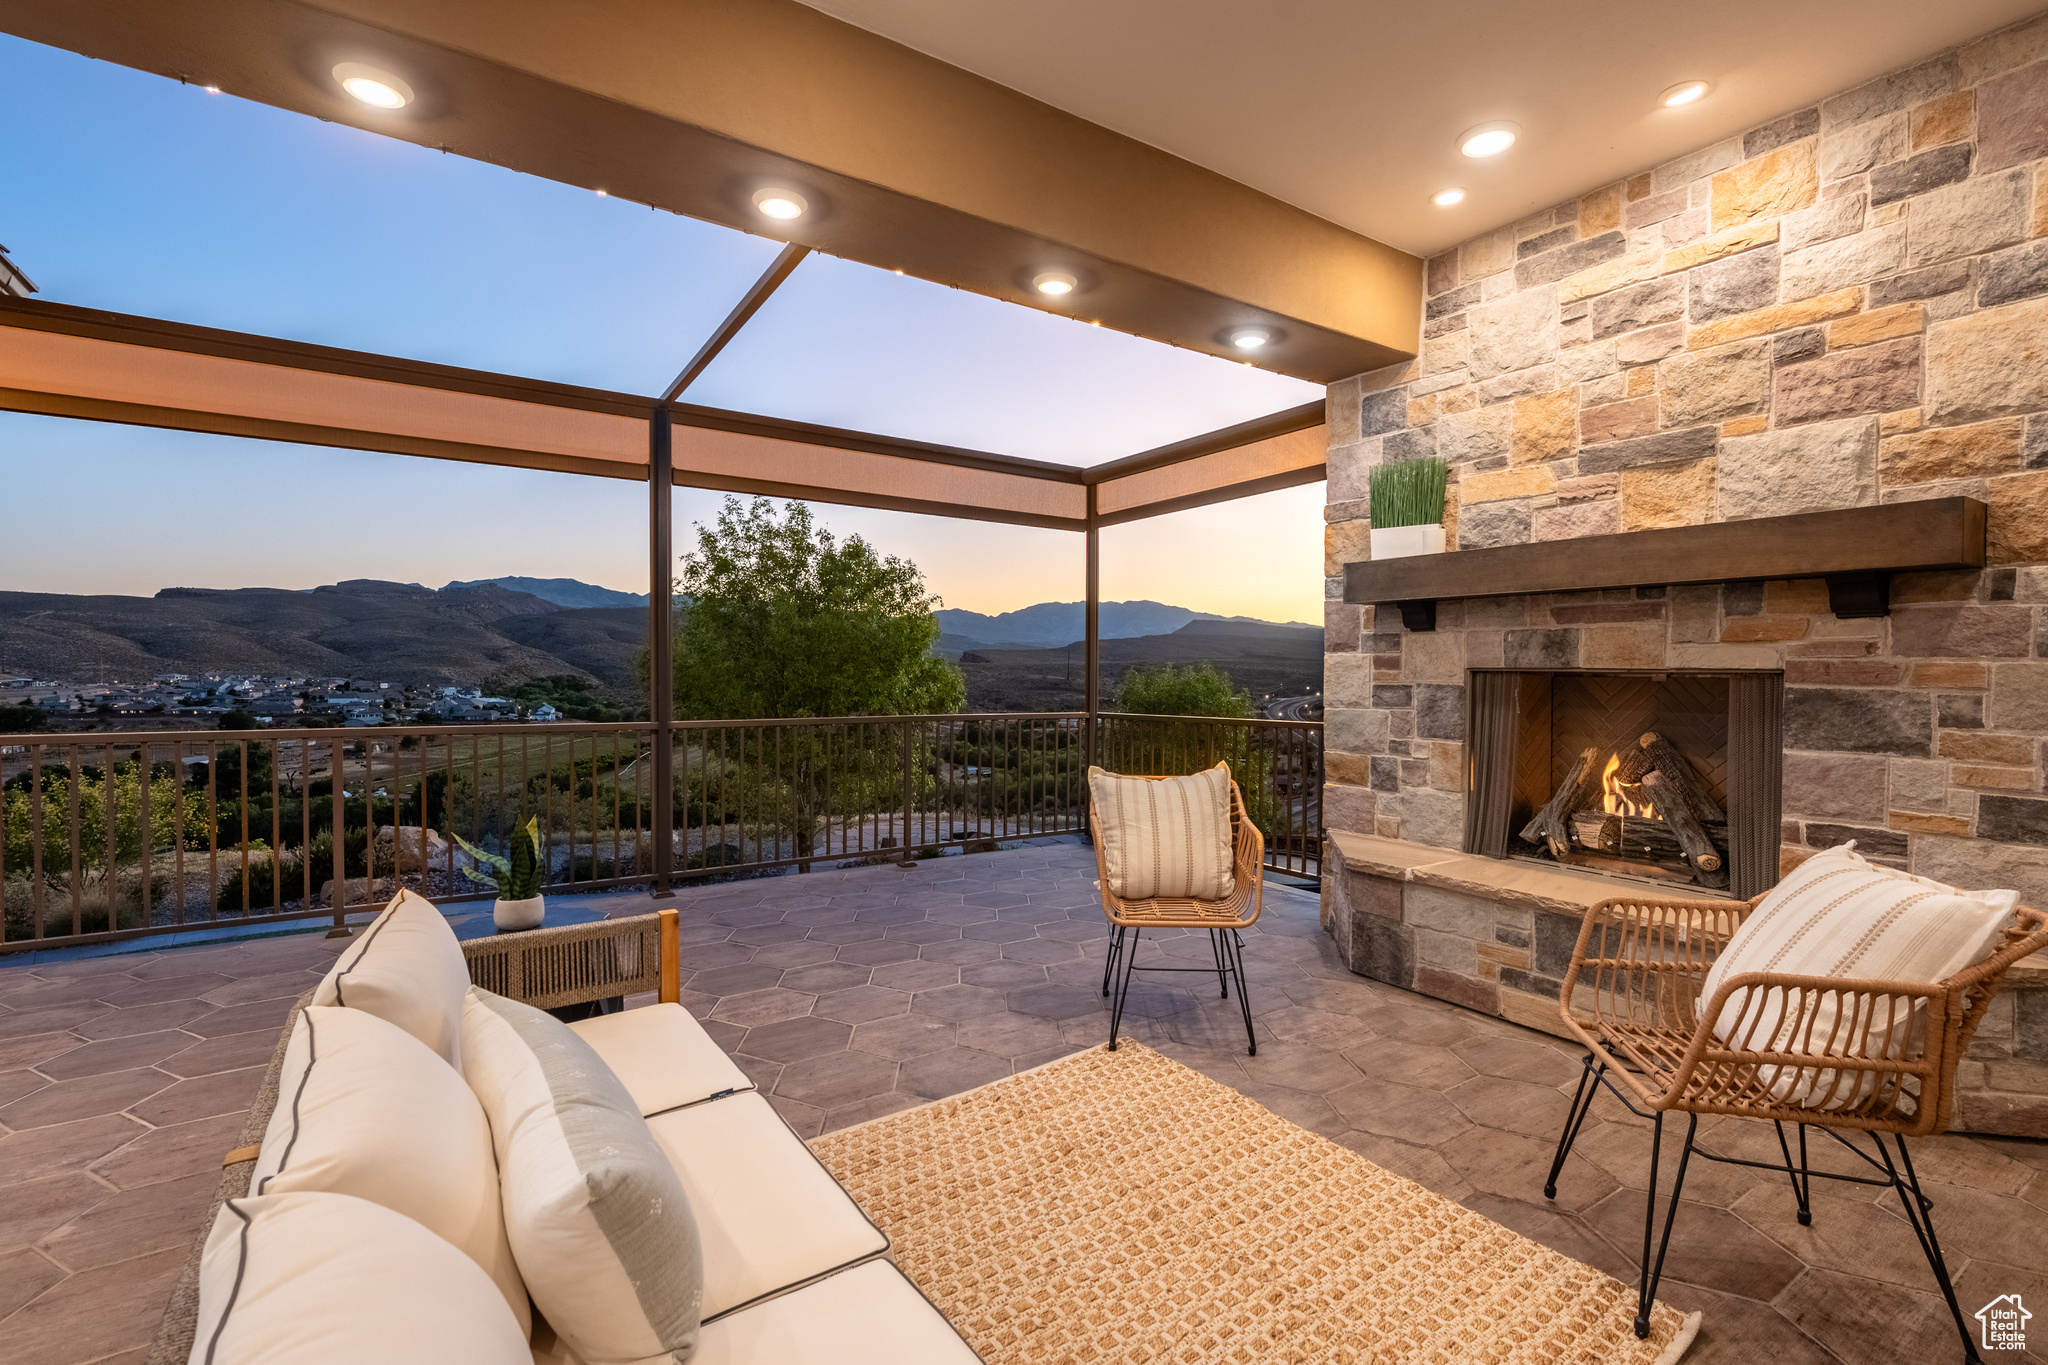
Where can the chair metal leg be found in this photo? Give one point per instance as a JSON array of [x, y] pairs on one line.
[[1920, 1213], [1575, 1117], [1216, 952], [1109, 958], [1123, 984], [1233, 947], [1802, 1180], [1653, 1271]]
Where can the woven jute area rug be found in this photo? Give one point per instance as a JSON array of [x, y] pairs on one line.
[[1119, 1207]]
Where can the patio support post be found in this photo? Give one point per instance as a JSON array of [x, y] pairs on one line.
[[1091, 635], [661, 674]]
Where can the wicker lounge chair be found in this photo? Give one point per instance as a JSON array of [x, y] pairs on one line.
[[1640, 967], [1222, 918]]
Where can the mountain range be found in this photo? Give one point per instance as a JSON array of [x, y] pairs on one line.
[[563, 592], [396, 632], [476, 630], [1051, 625]]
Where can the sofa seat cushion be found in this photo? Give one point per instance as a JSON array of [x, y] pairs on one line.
[[595, 1213], [367, 1110], [769, 1215], [407, 968], [662, 1056], [328, 1279], [869, 1315]]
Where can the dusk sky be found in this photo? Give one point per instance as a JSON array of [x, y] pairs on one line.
[[133, 193]]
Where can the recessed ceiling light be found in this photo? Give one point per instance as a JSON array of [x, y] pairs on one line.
[[1489, 139], [781, 203], [1443, 199], [1250, 338], [1685, 92], [1054, 282], [212, 89], [375, 87]]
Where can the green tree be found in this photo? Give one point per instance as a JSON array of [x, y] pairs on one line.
[[1202, 693], [782, 619], [1172, 690], [19, 720], [779, 619], [575, 697], [238, 719], [87, 806]]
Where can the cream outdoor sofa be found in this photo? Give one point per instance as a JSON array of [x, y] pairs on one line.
[[794, 1271]]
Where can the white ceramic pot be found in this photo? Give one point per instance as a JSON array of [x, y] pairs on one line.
[[1398, 542], [526, 914]]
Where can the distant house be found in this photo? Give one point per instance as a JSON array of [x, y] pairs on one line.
[[544, 712], [276, 704], [12, 281]]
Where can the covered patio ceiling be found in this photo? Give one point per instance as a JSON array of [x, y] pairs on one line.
[[901, 161]]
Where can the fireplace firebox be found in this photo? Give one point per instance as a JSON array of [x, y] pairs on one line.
[[1667, 777]]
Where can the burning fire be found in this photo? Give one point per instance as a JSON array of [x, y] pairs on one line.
[[1622, 798]]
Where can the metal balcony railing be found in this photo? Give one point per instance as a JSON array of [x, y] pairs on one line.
[[124, 835]]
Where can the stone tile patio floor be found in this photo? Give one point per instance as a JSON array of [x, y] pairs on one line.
[[855, 993]]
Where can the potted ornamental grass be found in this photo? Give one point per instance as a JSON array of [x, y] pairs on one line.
[[1407, 507], [516, 879]]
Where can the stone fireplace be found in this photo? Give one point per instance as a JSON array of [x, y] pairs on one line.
[[1786, 715], [1633, 774], [1836, 311]]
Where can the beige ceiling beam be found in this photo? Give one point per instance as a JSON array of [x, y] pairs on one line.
[[1281, 451], [76, 362], [910, 164]]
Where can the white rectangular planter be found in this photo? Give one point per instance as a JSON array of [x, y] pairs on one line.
[[1398, 542]]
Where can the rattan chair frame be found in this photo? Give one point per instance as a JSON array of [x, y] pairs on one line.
[[1632, 995], [572, 964], [1223, 918]]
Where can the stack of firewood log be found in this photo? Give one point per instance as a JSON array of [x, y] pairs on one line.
[[1653, 774]]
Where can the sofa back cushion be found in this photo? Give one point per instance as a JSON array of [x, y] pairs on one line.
[[1165, 836], [407, 968], [1837, 915], [365, 1109], [596, 1216], [313, 1279]]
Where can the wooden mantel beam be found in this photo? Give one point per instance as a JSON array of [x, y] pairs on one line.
[[1854, 548]]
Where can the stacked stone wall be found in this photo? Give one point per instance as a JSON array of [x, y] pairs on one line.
[[1845, 306]]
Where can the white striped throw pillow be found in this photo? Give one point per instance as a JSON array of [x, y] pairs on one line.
[[1165, 836], [1839, 916]]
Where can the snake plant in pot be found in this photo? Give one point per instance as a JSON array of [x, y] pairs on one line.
[[1407, 507], [516, 879]]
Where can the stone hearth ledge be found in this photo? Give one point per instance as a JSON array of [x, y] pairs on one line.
[[1565, 890]]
